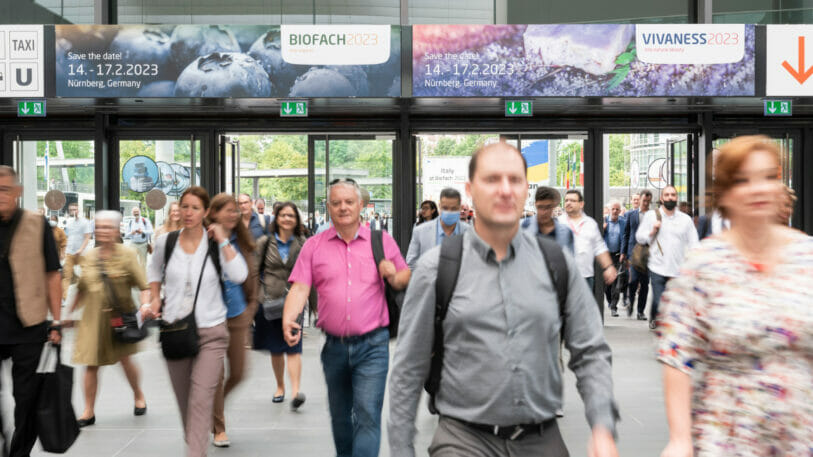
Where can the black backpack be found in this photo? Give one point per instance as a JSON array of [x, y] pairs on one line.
[[395, 298], [451, 252]]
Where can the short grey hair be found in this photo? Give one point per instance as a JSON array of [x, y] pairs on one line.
[[6, 170], [614, 202], [108, 215], [346, 183]]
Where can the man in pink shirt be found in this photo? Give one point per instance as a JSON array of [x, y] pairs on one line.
[[353, 314]]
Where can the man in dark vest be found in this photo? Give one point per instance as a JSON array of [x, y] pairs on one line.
[[30, 284]]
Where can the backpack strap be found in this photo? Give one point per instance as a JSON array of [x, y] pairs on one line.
[[214, 253], [557, 268], [377, 240], [172, 240], [451, 252]]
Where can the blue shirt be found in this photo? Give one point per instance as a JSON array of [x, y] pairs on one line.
[[561, 234], [614, 234], [441, 234], [284, 247], [233, 294]]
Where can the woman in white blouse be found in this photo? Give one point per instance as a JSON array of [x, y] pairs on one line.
[[195, 379]]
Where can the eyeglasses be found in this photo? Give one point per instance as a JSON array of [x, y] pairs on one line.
[[348, 180]]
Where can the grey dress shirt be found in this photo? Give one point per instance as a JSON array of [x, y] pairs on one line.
[[501, 338]]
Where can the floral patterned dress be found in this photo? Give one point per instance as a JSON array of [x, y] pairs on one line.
[[745, 336]]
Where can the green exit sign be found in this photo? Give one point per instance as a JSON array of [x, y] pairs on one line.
[[31, 108], [519, 108], [778, 108], [294, 109]]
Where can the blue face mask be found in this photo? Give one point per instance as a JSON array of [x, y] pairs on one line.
[[449, 217]]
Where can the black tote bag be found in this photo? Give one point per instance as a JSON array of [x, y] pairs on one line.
[[56, 422]]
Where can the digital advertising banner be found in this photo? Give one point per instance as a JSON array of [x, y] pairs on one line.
[[210, 61], [579, 60]]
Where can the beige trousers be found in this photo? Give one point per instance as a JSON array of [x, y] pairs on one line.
[[238, 337], [195, 381]]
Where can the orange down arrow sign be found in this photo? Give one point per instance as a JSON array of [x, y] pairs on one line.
[[801, 74]]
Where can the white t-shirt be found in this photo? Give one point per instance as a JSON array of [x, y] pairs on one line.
[[182, 273], [76, 231], [676, 236], [587, 242]]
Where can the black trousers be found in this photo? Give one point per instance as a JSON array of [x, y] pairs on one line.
[[24, 360], [610, 290]]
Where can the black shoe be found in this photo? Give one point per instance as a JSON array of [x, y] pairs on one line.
[[629, 310], [278, 398], [85, 422], [653, 325], [299, 400], [641, 317], [140, 411]]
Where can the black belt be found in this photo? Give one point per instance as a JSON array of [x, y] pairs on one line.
[[509, 432]]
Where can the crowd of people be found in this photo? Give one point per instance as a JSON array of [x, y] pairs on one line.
[[489, 296]]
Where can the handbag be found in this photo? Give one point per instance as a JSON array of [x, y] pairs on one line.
[[640, 253], [179, 340], [272, 309], [55, 419], [124, 323]]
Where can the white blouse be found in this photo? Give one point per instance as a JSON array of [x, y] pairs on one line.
[[182, 273]]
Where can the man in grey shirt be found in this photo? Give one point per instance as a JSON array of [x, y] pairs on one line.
[[501, 335]]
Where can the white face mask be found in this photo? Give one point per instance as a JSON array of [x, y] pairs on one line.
[[53, 223]]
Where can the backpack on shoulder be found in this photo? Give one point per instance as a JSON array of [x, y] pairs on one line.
[[451, 252], [395, 298]]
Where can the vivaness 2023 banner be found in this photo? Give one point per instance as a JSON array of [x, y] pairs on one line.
[[228, 61], [578, 60]]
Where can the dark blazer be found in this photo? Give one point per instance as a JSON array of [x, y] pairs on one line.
[[628, 241], [623, 221], [703, 226]]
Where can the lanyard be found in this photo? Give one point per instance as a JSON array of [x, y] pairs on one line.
[[573, 227]]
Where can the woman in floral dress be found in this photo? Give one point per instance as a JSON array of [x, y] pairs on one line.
[[736, 330]]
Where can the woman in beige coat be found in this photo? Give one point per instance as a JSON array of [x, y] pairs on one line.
[[95, 344]]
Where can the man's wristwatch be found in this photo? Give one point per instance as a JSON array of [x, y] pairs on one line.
[[55, 325]]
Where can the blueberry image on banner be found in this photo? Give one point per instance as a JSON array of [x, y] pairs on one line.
[[383, 77], [357, 77], [192, 41], [228, 74], [267, 50], [158, 89], [145, 45], [322, 82], [246, 35], [140, 173]]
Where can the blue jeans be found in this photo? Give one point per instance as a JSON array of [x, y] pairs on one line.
[[356, 375], [637, 278], [658, 285]]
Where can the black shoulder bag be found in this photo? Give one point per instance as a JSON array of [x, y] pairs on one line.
[[124, 323], [395, 298], [179, 340]]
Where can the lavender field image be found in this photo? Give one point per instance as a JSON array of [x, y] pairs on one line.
[[570, 60]]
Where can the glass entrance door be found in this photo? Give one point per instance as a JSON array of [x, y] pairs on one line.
[[62, 165]]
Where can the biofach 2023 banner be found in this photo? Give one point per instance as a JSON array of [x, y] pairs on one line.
[[578, 60], [228, 61]]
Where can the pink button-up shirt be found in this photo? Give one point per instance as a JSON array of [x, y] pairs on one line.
[[351, 292]]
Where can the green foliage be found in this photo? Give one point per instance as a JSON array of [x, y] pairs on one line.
[[568, 152], [619, 160], [623, 61]]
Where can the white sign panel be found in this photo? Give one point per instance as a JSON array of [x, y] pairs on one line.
[[789, 60], [442, 172], [335, 44], [21, 61], [690, 44]]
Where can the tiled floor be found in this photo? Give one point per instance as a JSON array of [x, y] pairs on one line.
[[259, 428]]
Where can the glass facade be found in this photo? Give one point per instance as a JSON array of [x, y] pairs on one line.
[[47, 12], [762, 11], [598, 11], [451, 12], [258, 12]]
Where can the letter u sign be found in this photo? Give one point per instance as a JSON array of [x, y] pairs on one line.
[[24, 81]]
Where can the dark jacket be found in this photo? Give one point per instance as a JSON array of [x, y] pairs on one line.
[[703, 226], [628, 242], [622, 221]]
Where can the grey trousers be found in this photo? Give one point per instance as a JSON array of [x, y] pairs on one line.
[[455, 439], [195, 382]]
